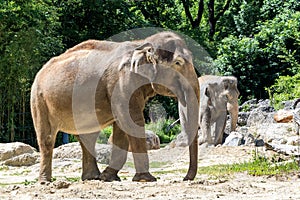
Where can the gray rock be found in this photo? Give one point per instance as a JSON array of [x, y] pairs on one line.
[[10, 150], [249, 139], [73, 150], [259, 116], [152, 140], [283, 149], [248, 105], [181, 140], [272, 132], [288, 105], [293, 140], [26, 159], [259, 143], [242, 118], [233, 139]]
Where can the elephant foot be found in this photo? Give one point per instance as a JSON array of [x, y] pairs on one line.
[[91, 176], [188, 178], [109, 175], [43, 179], [143, 177]]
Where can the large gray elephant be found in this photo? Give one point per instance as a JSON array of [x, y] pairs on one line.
[[218, 94], [93, 85]]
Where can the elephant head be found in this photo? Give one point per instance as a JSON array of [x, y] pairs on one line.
[[232, 93], [164, 63]]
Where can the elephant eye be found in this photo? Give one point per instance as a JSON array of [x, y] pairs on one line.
[[179, 61]]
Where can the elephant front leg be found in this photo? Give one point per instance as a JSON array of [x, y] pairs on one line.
[[90, 170], [205, 126], [219, 130], [141, 160], [118, 155]]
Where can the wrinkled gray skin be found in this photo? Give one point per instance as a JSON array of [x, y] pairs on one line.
[[218, 94], [90, 86]]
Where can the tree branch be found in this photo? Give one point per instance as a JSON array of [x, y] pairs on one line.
[[225, 7], [200, 12], [187, 11], [195, 23]]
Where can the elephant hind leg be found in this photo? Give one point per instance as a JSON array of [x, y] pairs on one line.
[[90, 170], [46, 135], [46, 140]]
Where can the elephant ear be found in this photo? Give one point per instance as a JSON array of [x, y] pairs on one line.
[[142, 55]]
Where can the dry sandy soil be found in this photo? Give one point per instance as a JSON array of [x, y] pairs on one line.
[[166, 166]]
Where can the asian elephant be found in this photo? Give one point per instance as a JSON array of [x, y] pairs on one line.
[[218, 94], [93, 85]]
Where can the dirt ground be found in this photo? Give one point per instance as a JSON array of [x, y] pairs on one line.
[[168, 165]]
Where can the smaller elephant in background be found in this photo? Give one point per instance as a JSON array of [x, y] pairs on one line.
[[218, 94]]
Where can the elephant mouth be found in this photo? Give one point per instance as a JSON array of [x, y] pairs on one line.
[[162, 90]]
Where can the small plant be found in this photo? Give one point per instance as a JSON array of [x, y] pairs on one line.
[[104, 135], [246, 108], [162, 129]]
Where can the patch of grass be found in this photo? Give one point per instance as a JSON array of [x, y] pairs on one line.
[[129, 164], [25, 172], [259, 166], [26, 182], [156, 164], [4, 168], [73, 179]]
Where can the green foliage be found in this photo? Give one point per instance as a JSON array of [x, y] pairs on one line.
[[271, 51], [28, 38], [285, 88], [160, 128], [104, 135]]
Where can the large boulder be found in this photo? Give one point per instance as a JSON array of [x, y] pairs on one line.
[[26, 159], [73, 151], [181, 140], [17, 154], [152, 141]]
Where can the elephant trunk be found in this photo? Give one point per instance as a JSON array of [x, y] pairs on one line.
[[189, 124], [233, 109]]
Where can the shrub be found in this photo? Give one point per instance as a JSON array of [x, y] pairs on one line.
[[285, 88]]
